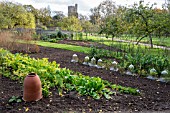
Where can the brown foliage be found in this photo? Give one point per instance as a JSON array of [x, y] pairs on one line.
[[10, 41]]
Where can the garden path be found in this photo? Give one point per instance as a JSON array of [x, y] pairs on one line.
[[155, 46]]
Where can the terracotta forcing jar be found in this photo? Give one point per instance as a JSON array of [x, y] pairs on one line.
[[32, 88]]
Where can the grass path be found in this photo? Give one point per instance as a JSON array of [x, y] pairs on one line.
[[144, 44], [64, 46], [165, 42], [123, 40]]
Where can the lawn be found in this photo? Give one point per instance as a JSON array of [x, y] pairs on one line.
[[163, 41], [64, 46]]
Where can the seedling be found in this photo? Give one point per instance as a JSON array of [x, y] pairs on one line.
[[15, 99]]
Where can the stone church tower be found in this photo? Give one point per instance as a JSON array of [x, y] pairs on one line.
[[72, 11]]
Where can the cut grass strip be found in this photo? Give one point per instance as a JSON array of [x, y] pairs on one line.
[[64, 46]]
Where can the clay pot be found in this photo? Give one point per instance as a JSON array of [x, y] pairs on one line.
[[32, 88]]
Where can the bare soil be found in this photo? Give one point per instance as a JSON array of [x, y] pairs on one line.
[[89, 44], [155, 96]]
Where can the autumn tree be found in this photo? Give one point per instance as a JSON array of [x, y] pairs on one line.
[[58, 15], [15, 16], [3, 19], [57, 18], [142, 18], [71, 24], [100, 14], [34, 11], [161, 18], [83, 17], [86, 26], [107, 8], [113, 23], [44, 16], [102, 11], [95, 16]]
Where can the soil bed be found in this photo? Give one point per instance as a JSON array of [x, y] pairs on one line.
[[89, 44], [155, 96]]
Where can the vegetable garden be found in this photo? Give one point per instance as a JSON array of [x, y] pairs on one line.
[[118, 61], [62, 78]]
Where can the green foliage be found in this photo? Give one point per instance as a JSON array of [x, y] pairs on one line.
[[54, 37], [14, 99], [144, 21], [15, 16], [147, 62], [127, 90], [71, 24], [60, 34], [44, 37], [85, 85], [86, 25], [100, 53], [142, 62], [43, 27], [79, 36], [44, 16], [111, 27], [18, 66]]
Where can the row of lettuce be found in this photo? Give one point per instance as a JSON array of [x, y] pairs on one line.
[[17, 66], [143, 64]]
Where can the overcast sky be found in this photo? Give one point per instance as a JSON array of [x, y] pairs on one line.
[[83, 5]]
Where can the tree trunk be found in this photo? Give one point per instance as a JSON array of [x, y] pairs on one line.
[[113, 37], [141, 39], [150, 37], [86, 35], [112, 42]]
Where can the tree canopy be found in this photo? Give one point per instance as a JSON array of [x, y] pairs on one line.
[[71, 24], [146, 21], [141, 20], [15, 16]]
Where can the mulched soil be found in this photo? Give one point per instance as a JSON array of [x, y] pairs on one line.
[[155, 96], [89, 44]]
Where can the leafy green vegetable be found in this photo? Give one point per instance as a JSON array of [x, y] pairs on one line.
[[15, 99], [17, 66]]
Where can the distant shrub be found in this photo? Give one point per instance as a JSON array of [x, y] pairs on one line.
[[71, 36], [60, 34], [52, 36], [65, 36], [44, 37], [80, 35]]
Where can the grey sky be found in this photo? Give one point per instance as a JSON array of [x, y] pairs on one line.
[[83, 5]]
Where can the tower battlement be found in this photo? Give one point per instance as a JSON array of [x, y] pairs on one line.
[[72, 11]]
